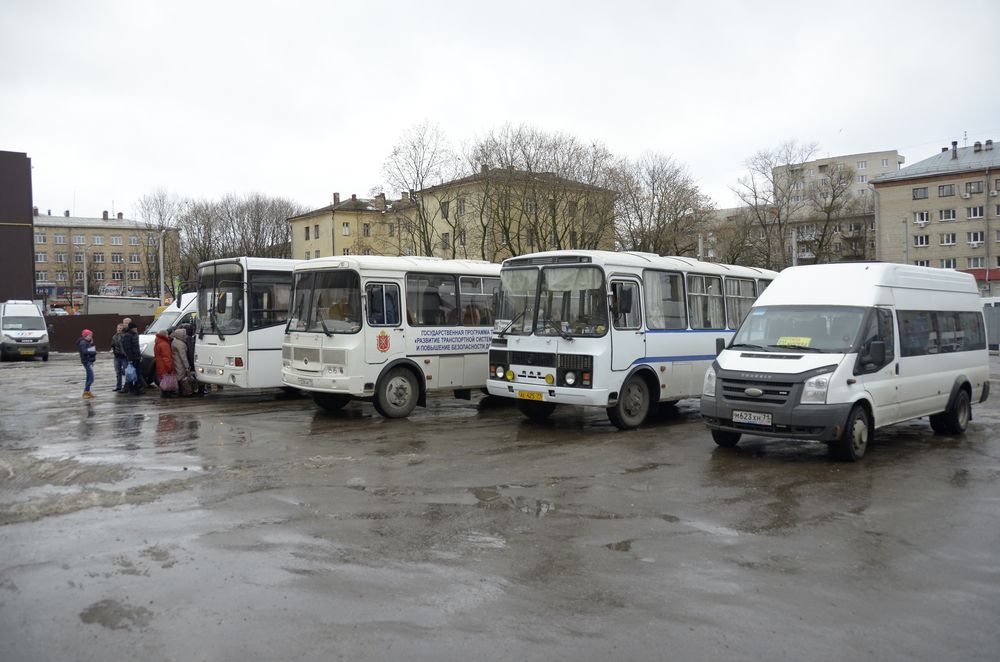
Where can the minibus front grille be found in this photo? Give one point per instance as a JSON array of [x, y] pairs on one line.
[[583, 362], [498, 357], [536, 359], [286, 352], [310, 354], [773, 392], [335, 356]]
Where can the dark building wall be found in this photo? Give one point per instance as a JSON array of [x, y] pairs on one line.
[[17, 231]]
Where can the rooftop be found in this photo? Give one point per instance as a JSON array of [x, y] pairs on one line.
[[953, 160]]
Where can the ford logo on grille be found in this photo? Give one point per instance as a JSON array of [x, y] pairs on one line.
[[753, 392], [305, 361]]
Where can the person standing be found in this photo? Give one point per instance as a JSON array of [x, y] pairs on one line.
[[118, 348], [134, 356], [163, 358], [189, 328], [181, 366], [88, 354]]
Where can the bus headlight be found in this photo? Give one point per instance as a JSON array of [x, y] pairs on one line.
[[499, 372], [569, 378], [814, 391], [708, 387]]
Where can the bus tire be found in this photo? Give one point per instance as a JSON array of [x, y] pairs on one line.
[[857, 433], [397, 393], [632, 407], [955, 419], [725, 438], [536, 411], [330, 401]]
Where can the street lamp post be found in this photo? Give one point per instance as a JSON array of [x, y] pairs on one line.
[[162, 289]]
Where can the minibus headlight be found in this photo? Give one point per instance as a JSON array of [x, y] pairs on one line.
[[814, 391], [499, 372], [570, 378], [708, 387]]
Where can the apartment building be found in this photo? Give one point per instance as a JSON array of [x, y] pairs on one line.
[[943, 212], [108, 255], [491, 215]]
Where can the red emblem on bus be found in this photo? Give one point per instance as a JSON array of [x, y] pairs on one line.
[[382, 341]]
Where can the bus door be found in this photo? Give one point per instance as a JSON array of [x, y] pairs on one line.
[[628, 340], [385, 335]]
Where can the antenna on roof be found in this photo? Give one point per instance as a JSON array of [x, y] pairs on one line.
[[965, 138]]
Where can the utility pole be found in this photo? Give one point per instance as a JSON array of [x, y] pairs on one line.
[[162, 290]]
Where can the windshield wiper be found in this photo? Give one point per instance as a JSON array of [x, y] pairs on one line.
[[322, 323], [555, 327], [215, 325], [801, 348], [512, 321], [751, 346]]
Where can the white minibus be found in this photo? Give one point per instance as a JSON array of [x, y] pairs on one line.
[[832, 352], [242, 311], [183, 310], [388, 329], [621, 331], [23, 331]]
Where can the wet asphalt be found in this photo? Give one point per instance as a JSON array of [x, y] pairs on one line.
[[253, 526]]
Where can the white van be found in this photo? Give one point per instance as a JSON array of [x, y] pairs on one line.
[[182, 311], [25, 334], [831, 352]]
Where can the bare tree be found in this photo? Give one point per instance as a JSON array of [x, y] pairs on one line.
[[773, 190], [830, 201], [160, 212], [660, 209], [732, 238]]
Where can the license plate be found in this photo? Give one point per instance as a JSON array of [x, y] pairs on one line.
[[529, 395], [26, 352], [305, 381], [751, 417]]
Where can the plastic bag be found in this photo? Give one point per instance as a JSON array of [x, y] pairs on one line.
[[168, 383], [131, 376]]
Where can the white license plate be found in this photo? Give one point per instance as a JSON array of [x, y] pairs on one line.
[[305, 381], [751, 417]]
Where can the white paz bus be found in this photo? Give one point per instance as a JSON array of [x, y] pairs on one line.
[[621, 331], [831, 352], [242, 310], [388, 329]]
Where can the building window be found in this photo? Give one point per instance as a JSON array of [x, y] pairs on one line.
[[367, 251], [44, 275], [77, 276], [133, 240], [461, 238], [974, 212], [366, 230], [316, 253], [39, 237], [921, 240], [346, 229], [948, 263], [41, 257], [392, 229], [946, 215], [530, 206], [116, 240], [79, 239], [948, 239], [60, 257], [974, 187], [975, 237], [921, 216], [444, 209], [307, 252], [133, 258], [116, 258], [60, 239], [316, 231], [460, 208], [862, 179], [152, 240], [921, 263], [347, 251], [116, 275], [920, 193], [99, 258], [446, 240], [60, 276], [78, 258], [862, 165], [307, 233], [134, 275], [976, 262], [885, 163], [946, 190]]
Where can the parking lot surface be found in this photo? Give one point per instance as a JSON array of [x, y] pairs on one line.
[[254, 526]]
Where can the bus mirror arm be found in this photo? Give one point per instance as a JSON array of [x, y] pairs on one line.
[[720, 344]]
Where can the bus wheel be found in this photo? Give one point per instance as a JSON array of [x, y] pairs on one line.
[[725, 438], [397, 393], [956, 419], [536, 411], [632, 406], [331, 401], [854, 441]]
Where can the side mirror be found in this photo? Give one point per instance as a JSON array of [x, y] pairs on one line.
[[876, 353], [50, 328], [720, 344]]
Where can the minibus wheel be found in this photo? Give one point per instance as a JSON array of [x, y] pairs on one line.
[[956, 419], [396, 394], [536, 411], [854, 441], [725, 438], [632, 406], [330, 401]]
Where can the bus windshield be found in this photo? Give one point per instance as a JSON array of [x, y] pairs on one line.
[[572, 301], [518, 288], [326, 302], [828, 329], [220, 298]]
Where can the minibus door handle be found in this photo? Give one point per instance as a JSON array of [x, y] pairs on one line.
[[897, 367]]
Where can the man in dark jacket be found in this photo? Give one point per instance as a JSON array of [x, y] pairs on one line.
[[118, 348], [130, 342]]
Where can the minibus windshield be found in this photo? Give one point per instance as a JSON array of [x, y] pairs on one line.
[[826, 329], [23, 324], [572, 302], [326, 302]]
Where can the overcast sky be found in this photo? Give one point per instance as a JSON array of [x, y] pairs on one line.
[[112, 100]]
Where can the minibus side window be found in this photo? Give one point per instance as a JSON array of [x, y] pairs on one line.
[[878, 327]]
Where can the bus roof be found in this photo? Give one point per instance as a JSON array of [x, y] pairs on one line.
[[637, 260], [401, 263], [254, 262]]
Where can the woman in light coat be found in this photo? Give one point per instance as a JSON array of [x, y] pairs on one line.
[[182, 368]]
